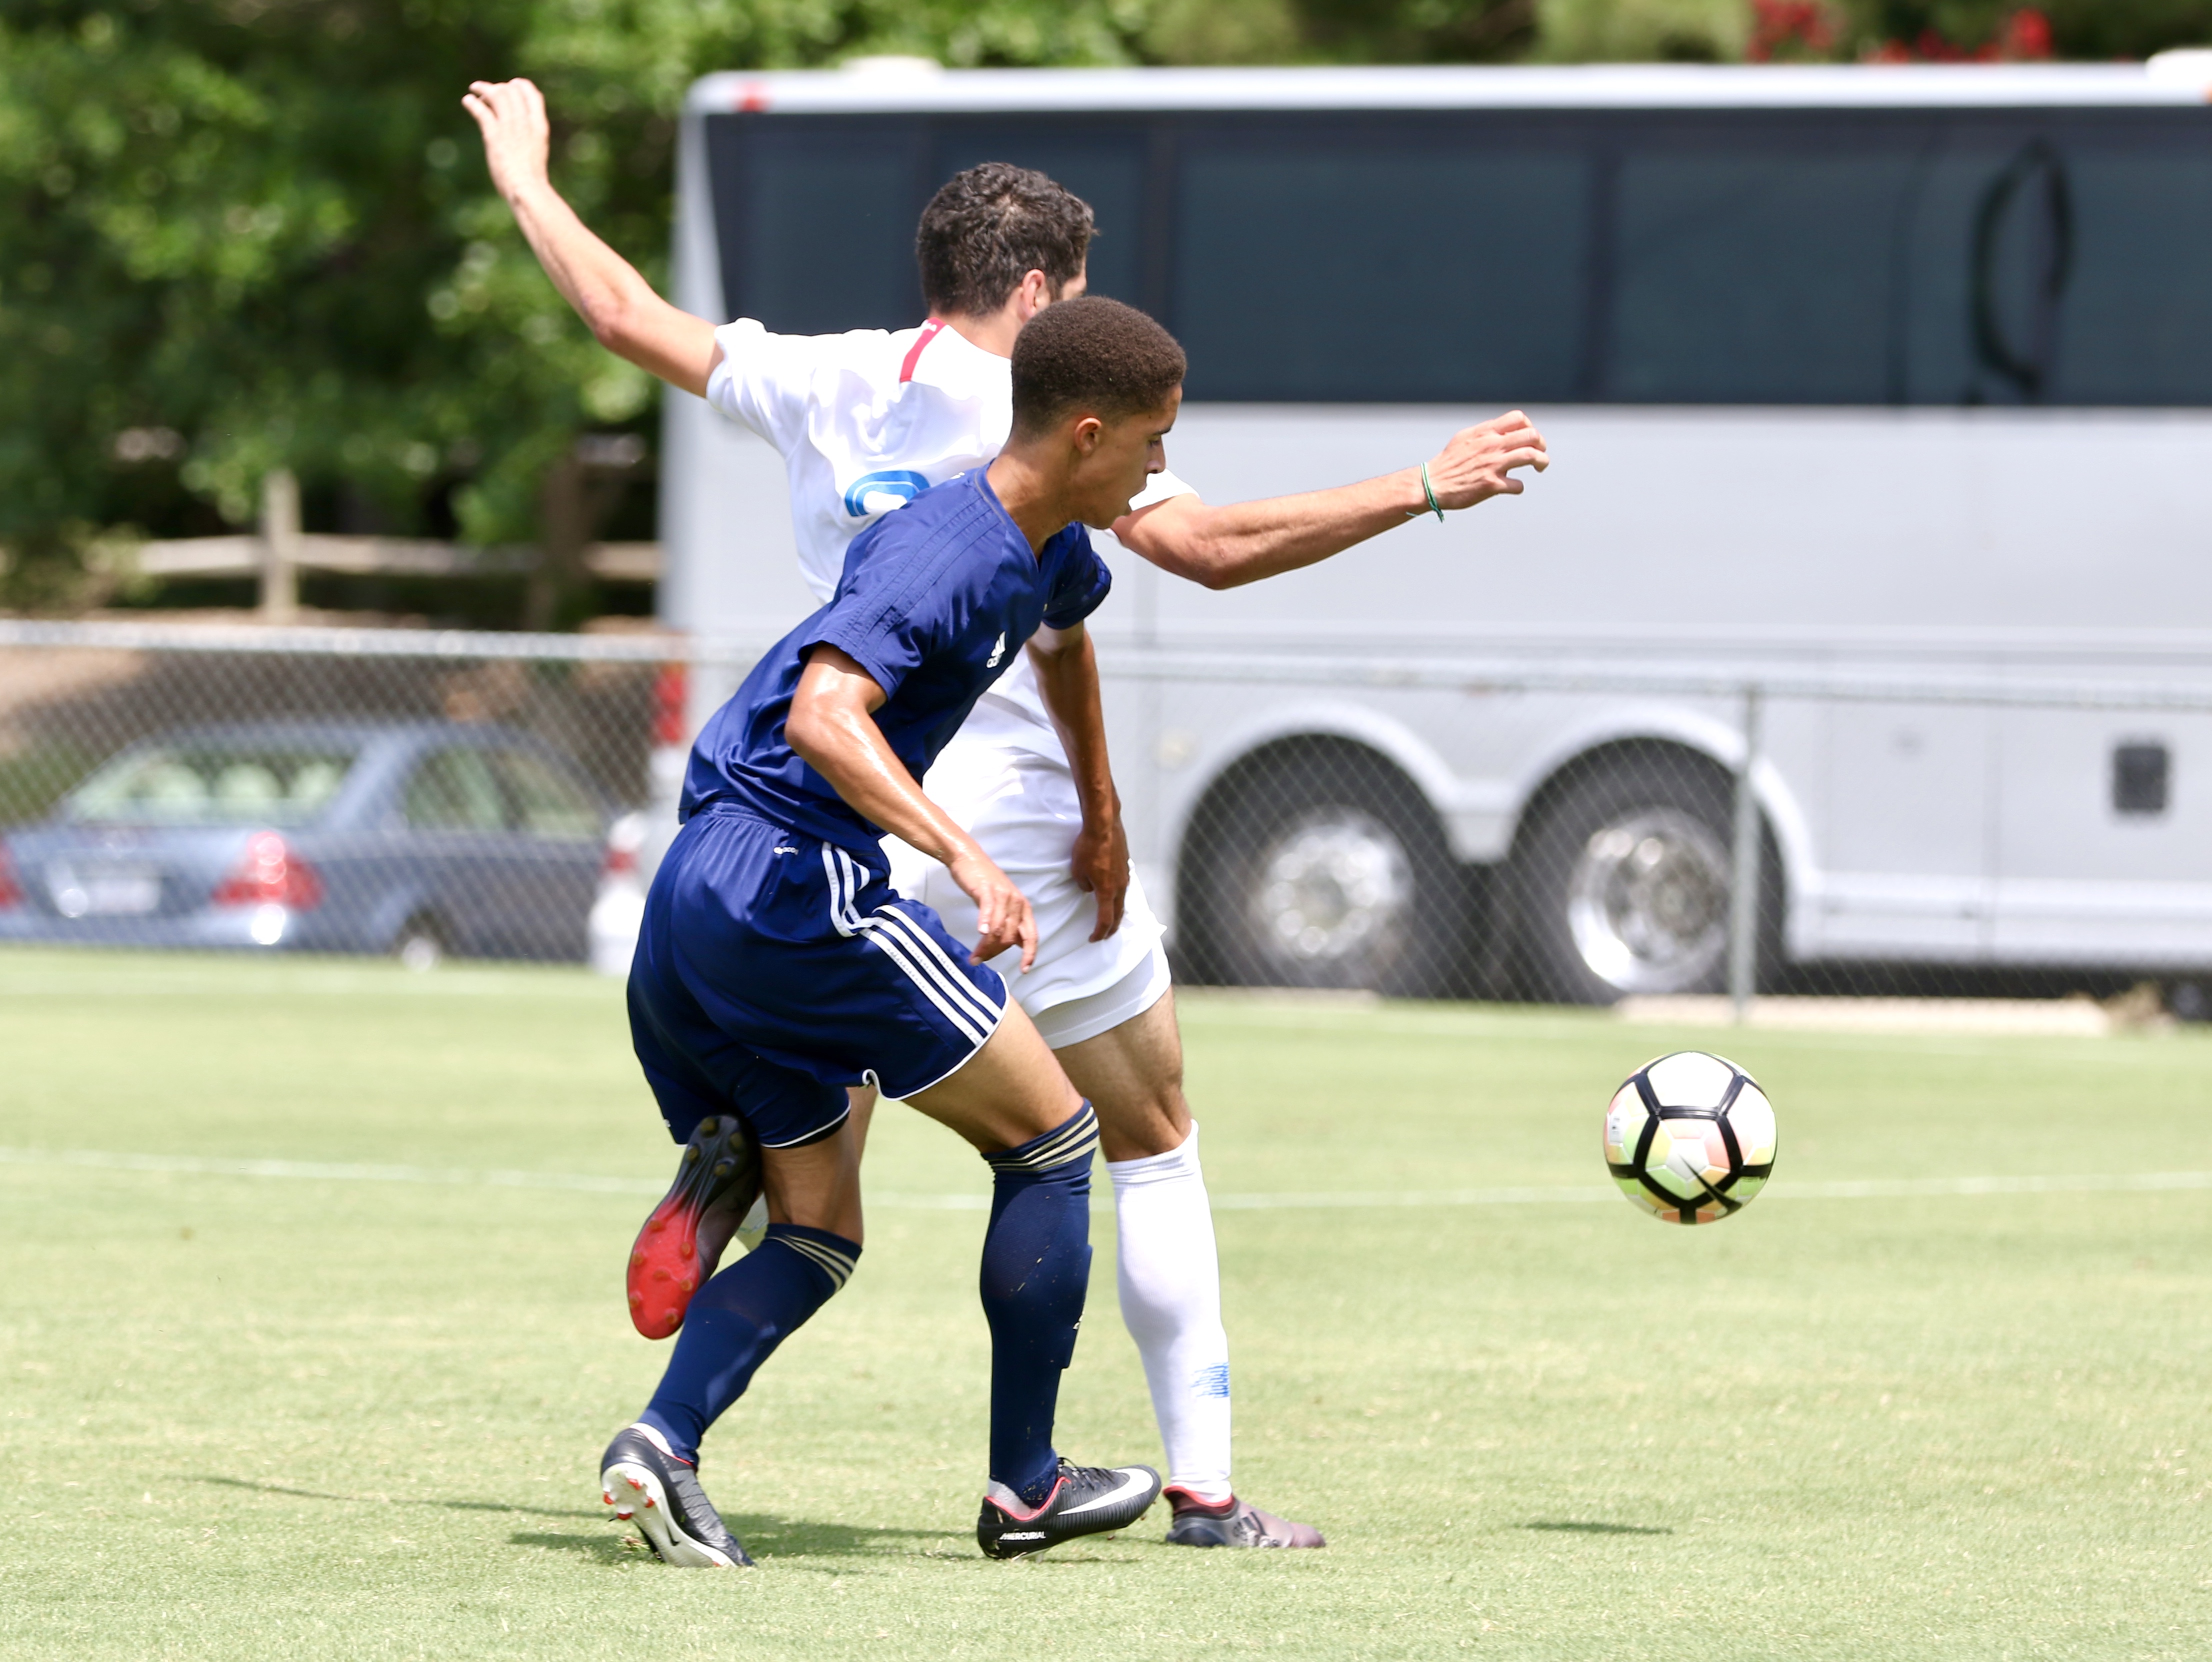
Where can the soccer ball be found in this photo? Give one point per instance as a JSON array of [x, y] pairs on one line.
[[1690, 1138]]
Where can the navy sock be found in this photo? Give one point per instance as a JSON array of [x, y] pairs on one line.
[[736, 1322], [1036, 1270]]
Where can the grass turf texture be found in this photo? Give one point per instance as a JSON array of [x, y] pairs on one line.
[[313, 1417]]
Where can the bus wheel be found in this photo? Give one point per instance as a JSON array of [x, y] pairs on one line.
[[1622, 884], [1322, 866]]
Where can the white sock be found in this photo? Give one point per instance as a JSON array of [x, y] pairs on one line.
[[1170, 1281]]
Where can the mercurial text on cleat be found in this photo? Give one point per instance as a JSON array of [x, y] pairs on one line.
[[1087, 1499], [645, 1483]]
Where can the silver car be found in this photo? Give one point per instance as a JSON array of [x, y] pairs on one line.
[[415, 838]]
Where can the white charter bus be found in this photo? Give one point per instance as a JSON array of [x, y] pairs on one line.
[[1860, 372]]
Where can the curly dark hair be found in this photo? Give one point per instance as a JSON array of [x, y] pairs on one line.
[[988, 228], [1093, 355]]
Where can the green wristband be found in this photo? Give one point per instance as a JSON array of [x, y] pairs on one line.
[[1429, 491]]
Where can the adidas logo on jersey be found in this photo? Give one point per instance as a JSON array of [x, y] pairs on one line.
[[997, 652]]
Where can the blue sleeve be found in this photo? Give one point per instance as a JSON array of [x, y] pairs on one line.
[[1083, 580], [893, 608]]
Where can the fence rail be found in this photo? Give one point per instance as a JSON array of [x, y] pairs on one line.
[[1472, 674], [1488, 821], [246, 556]]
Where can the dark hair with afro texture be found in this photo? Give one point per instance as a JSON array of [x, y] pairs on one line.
[[1094, 355], [988, 228]]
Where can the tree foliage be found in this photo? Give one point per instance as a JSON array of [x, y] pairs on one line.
[[237, 234]]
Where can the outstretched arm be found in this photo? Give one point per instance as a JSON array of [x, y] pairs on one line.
[[832, 726], [629, 318], [1068, 675], [1224, 547]]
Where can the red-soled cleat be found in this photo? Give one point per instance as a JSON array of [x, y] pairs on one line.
[[720, 1169]]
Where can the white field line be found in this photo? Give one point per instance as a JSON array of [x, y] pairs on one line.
[[1563, 1194], [2071, 1018], [325, 1171]]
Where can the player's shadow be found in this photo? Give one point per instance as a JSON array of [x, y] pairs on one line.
[[602, 1548], [400, 1499], [789, 1544], [1563, 1527], [766, 1535]]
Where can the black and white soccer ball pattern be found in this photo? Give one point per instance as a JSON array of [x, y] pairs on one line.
[[1690, 1138]]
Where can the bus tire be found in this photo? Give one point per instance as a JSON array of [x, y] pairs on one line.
[[1621, 883], [1321, 865]]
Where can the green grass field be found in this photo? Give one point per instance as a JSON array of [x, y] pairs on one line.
[[336, 1414]]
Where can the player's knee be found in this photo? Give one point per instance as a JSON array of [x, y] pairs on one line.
[[1144, 1120]]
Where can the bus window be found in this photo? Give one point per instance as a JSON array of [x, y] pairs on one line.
[[1949, 284], [2058, 263], [1311, 265], [1756, 278], [816, 222], [1107, 170], [1979, 258], [2136, 326]]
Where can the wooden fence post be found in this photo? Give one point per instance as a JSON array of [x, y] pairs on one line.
[[280, 547]]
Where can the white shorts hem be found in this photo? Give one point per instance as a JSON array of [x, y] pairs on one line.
[[1074, 1020]]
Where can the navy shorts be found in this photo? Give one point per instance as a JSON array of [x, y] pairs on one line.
[[774, 970]]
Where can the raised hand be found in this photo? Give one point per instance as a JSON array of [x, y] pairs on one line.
[[516, 137], [1479, 462]]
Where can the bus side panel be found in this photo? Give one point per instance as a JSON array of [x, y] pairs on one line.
[[731, 562], [1670, 530], [1909, 825], [2104, 839], [1727, 542]]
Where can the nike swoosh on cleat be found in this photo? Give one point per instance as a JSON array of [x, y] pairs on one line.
[[1135, 1483]]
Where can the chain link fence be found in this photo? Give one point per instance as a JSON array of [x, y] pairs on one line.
[[1680, 840], [358, 791], [1671, 838]]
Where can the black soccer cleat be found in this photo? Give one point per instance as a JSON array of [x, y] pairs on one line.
[[643, 1481], [720, 1169], [1233, 1523], [1087, 1499]]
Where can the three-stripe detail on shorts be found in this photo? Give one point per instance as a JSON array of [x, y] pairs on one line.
[[907, 944], [1075, 1140], [836, 1265]]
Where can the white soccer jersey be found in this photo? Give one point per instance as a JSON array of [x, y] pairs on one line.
[[865, 423]]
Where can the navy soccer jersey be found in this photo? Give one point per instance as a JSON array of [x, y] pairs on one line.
[[935, 602], [775, 966]]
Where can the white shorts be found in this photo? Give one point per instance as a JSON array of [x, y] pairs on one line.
[[1020, 804]]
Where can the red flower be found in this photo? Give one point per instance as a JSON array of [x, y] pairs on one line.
[[2024, 35], [1790, 28]]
